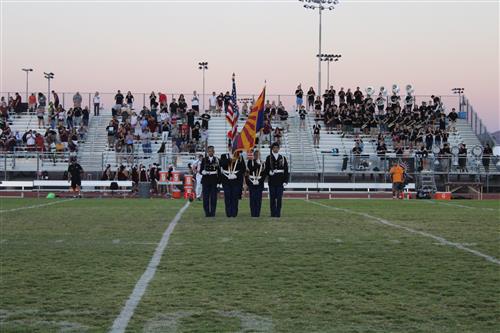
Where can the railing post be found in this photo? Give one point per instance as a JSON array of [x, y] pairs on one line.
[[323, 168], [63, 104]]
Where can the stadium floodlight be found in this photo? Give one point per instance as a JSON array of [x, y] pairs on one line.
[[48, 76], [27, 70], [320, 5], [328, 58], [203, 66], [459, 91]]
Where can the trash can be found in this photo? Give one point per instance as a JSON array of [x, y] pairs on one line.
[[144, 190]]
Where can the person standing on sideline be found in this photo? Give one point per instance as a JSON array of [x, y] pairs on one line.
[[255, 183], [397, 177], [198, 176], [75, 171], [97, 103], [232, 173], [210, 171], [277, 170]]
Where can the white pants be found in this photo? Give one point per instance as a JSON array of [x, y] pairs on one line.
[[198, 185]]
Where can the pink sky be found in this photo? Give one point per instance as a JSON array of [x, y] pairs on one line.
[[144, 46]]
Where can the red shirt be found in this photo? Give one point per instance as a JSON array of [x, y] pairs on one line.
[[163, 98]]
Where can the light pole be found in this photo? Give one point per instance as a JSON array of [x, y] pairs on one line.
[[328, 58], [27, 70], [203, 66], [459, 91], [48, 76], [320, 5]]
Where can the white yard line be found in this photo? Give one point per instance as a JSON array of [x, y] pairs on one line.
[[439, 239], [463, 206], [121, 322], [35, 206]]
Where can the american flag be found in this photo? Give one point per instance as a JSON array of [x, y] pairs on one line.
[[233, 113]]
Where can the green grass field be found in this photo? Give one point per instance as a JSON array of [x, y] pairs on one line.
[[322, 267]]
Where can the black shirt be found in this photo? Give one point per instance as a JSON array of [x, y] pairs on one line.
[[75, 171], [119, 98]]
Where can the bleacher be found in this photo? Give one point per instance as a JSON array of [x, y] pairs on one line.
[[94, 154]]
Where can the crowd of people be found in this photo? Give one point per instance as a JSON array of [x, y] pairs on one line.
[[57, 130], [396, 121], [410, 128]]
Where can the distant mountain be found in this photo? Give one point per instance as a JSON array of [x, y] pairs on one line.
[[496, 135]]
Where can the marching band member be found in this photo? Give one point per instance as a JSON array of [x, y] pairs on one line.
[[277, 170], [198, 176], [232, 172], [255, 183], [210, 171]]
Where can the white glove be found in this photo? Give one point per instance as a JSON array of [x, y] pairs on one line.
[[271, 173], [204, 172], [232, 176], [255, 182], [285, 184]]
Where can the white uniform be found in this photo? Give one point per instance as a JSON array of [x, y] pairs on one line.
[[196, 167]]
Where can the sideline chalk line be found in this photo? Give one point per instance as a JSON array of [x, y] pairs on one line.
[[36, 206]]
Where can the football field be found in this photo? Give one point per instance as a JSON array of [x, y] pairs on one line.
[[94, 265]]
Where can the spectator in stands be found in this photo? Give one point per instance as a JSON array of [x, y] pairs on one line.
[[397, 178], [129, 99], [118, 101], [4, 110], [29, 138], [462, 158], [212, 103], [162, 99], [266, 131], [227, 100], [55, 96], [316, 134], [220, 103], [381, 153], [77, 116], [317, 107], [299, 94], [107, 174], [487, 154], [85, 116], [421, 156], [310, 99], [195, 103], [69, 118], [152, 99], [97, 103], [111, 130], [356, 153], [52, 115], [32, 103], [302, 116], [342, 96], [17, 104], [77, 100], [445, 158], [40, 115]]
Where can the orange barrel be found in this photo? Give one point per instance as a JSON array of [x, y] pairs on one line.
[[176, 194], [188, 186], [442, 196]]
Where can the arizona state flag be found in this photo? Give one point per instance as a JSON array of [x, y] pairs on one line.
[[245, 140]]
